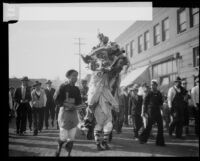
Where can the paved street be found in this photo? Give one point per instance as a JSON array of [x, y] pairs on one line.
[[122, 145]]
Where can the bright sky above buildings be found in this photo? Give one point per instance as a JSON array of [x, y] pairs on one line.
[[47, 49]]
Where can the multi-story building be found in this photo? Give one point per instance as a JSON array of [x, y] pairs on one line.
[[168, 45]]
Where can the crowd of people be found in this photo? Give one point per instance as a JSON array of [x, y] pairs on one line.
[[140, 106]]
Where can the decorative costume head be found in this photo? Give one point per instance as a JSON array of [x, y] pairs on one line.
[[104, 55]]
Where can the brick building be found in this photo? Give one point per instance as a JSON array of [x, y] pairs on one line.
[[168, 46]]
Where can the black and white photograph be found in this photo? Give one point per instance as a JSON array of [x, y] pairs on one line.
[[104, 79]]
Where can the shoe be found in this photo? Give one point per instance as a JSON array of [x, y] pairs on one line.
[[35, 134], [180, 137], [31, 130], [99, 148], [136, 138], [69, 147], [46, 128], [60, 143], [21, 134], [142, 142], [105, 145], [160, 145]]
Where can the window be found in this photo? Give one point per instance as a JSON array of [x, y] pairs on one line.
[[140, 44], [132, 48], [127, 50], [165, 29], [146, 40], [156, 34], [196, 56], [181, 19], [194, 16], [164, 80], [165, 69]]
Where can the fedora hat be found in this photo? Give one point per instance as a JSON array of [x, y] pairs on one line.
[[135, 86], [25, 79], [197, 79], [37, 83], [178, 79], [49, 82]]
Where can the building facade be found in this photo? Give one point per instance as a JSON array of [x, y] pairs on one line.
[[169, 44]]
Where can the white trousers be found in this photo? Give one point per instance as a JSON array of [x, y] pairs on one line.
[[66, 135]]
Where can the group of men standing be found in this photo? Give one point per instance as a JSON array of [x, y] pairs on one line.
[[34, 104], [145, 109]]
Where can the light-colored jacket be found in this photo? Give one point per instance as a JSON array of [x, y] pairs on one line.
[[38, 103], [171, 95], [195, 95]]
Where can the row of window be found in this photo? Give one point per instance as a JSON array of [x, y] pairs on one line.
[[182, 18], [144, 39], [167, 71]]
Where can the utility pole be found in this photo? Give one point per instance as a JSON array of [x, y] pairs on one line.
[[79, 46]]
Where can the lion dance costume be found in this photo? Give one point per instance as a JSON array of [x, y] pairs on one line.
[[106, 61]]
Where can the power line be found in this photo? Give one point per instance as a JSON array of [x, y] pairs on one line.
[[79, 46]]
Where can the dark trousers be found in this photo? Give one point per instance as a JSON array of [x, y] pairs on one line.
[[177, 114], [137, 123], [126, 115], [56, 113], [49, 111], [37, 119], [153, 117], [29, 116], [21, 117], [196, 117], [41, 123]]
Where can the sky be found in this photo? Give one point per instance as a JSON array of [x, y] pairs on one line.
[[47, 49]]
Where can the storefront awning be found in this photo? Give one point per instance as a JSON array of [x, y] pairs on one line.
[[139, 76]]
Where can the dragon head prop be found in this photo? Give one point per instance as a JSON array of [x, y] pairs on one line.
[[104, 55]]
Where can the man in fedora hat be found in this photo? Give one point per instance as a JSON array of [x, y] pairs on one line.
[[135, 107], [22, 98], [195, 100], [175, 103], [50, 105], [38, 102]]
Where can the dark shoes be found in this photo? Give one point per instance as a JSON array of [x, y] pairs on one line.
[[60, 143], [105, 145], [99, 148], [161, 144], [69, 147]]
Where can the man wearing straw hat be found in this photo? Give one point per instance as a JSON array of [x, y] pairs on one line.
[[22, 98], [38, 103], [176, 103]]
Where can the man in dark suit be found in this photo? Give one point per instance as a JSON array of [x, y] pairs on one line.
[[151, 109], [22, 98], [50, 105]]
